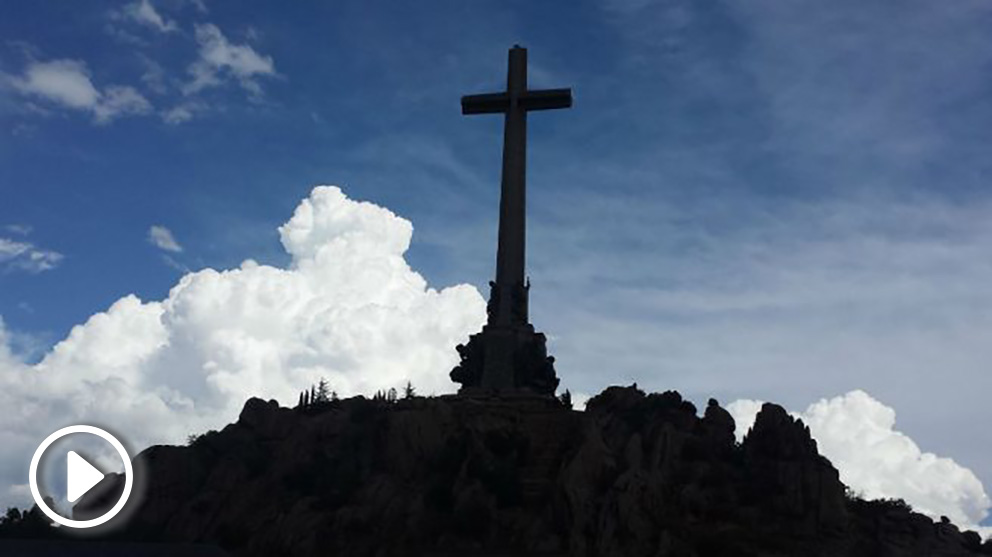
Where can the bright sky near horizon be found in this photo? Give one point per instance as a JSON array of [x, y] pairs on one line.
[[749, 200]]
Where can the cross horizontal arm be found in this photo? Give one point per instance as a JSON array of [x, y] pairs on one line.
[[485, 104], [546, 99]]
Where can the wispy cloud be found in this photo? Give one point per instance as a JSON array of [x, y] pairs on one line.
[[25, 256], [144, 12], [154, 76], [19, 229], [67, 84], [171, 262], [200, 5], [162, 238], [220, 60], [182, 112], [119, 101]]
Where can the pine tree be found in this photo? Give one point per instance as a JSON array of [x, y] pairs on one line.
[[409, 391], [323, 392], [13, 515]]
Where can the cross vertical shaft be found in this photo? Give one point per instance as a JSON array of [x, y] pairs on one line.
[[511, 249]]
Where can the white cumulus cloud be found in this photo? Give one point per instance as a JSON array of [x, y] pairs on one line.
[[67, 83], [220, 59], [857, 433], [348, 308], [162, 238]]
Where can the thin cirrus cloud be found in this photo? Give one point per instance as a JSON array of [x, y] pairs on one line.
[[162, 238], [221, 60], [67, 84], [19, 229], [184, 111], [144, 13], [18, 255]]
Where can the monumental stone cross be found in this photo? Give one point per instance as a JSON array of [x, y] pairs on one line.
[[508, 355]]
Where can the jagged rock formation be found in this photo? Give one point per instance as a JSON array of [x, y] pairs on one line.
[[633, 475]]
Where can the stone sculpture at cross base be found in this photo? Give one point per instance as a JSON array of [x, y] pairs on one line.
[[506, 359], [509, 356]]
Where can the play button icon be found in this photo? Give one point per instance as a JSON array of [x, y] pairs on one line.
[[81, 476]]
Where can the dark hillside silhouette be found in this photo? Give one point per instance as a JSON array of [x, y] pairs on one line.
[[635, 474]]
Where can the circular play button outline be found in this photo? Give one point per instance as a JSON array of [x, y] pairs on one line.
[[33, 473]]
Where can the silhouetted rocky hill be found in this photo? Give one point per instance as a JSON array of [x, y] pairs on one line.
[[633, 475]]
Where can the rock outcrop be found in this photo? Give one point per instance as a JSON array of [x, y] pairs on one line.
[[635, 474]]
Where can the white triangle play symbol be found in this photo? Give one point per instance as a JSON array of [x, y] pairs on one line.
[[81, 476]]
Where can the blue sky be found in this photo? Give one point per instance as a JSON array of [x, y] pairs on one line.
[[348, 84], [763, 200]]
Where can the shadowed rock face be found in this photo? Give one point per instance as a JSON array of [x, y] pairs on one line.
[[634, 474]]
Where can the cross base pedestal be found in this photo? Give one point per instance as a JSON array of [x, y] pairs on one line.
[[506, 359]]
